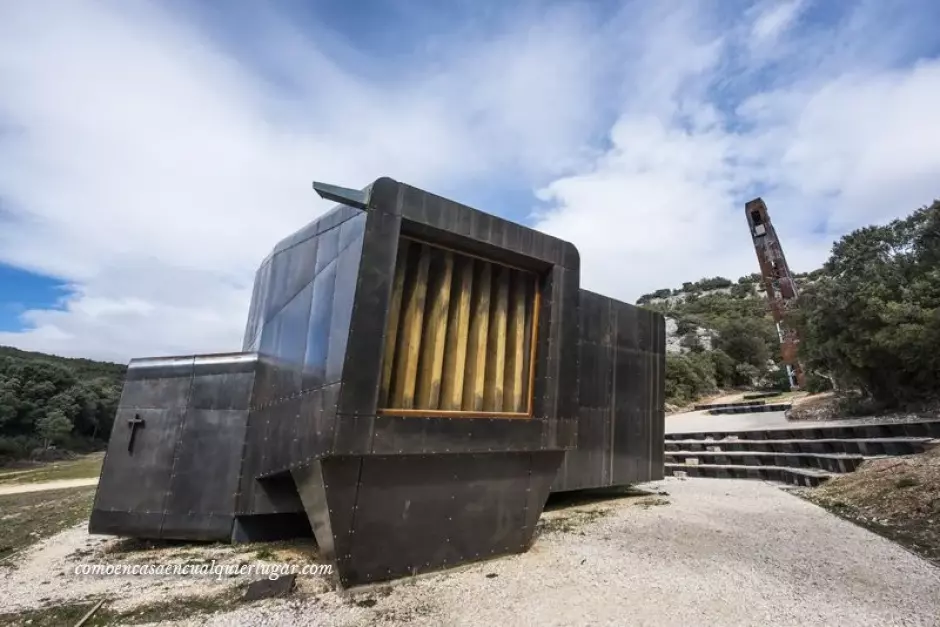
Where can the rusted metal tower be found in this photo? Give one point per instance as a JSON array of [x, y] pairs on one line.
[[778, 283]]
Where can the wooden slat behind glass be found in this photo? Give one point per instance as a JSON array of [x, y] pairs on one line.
[[458, 330], [409, 340], [460, 334], [431, 364], [394, 317], [515, 344]]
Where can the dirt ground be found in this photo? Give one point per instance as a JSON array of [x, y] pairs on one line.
[[897, 497], [30, 517], [687, 552]]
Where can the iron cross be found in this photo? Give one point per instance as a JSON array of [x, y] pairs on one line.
[[133, 423]]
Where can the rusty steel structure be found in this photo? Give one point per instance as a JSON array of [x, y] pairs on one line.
[[778, 283]]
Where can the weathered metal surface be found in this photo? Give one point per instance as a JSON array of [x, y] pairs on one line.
[[619, 436], [294, 438], [180, 477], [778, 283], [440, 511]]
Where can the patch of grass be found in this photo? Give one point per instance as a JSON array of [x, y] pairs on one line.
[[168, 610], [30, 517], [84, 467], [652, 501], [570, 521]]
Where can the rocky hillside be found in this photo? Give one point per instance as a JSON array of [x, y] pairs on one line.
[[719, 334]]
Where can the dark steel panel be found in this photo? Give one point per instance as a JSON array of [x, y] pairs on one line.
[[120, 523], [351, 231], [318, 332], [331, 219], [328, 249], [328, 489], [138, 480], [277, 285], [347, 272], [275, 495], [251, 459], [352, 434], [310, 434], [367, 321], [291, 343], [279, 435], [163, 383], [311, 488], [265, 382], [257, 307], [568, 354], [205, 474], [197, 526], [440, 435], [438, 511], [303, 264], [543, 468], [449, 223], [222, 391]]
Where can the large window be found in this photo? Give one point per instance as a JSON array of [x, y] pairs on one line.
[[461, 335]]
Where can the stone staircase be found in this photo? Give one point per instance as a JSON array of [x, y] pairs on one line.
[[804, 455]]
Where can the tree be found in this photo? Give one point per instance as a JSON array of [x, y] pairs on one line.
[[724, 368], [747, 341], [46, 399], [54, 427], [872, 319]]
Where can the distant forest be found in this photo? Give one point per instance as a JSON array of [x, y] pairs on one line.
[[50, 403]]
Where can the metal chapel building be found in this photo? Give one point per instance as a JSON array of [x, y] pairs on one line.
[[416, 377]]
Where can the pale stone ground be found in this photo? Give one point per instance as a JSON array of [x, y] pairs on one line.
[[709, 552], [47, 485]]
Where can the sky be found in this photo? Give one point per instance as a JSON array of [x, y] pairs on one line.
[[152, 153]]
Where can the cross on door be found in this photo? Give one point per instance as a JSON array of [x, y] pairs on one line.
[[133, 424]]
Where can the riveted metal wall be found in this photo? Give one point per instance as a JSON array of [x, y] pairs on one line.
[[171, 469], [305, 302], [299, 431], [621, 395]]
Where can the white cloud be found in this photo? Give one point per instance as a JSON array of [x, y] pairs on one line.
[[152, 166], [835, 147], [774, 19], [149, 165]]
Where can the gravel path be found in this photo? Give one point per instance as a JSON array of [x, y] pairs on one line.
[[47, 485], [705, 552], [703, 422], [712, 552]]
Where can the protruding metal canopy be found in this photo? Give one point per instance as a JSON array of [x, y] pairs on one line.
[[353, 197]]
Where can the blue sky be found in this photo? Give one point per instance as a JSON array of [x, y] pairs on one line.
[[151, 153]]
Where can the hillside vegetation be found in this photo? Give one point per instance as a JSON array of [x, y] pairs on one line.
[[869, 321], [52, 403]]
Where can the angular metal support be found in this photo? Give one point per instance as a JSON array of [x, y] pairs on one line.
[[357, 198]]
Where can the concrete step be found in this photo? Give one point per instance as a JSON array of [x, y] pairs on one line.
[[783, 474], [837, 463], [751, 408], [928, 428], [748, 403], [851, 446], [757, 395]]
